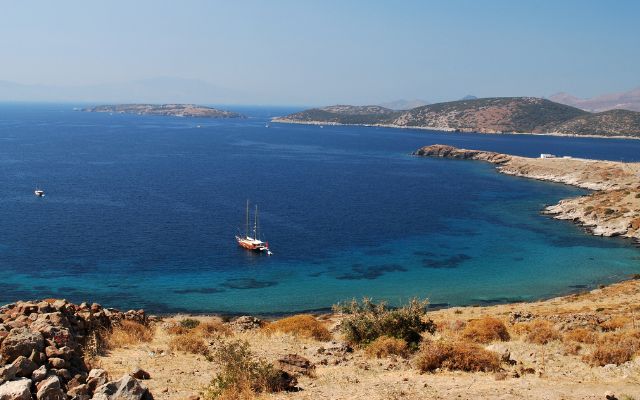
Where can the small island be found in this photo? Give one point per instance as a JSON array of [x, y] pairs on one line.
[[173, 110]]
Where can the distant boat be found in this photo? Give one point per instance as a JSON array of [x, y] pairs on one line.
[[321, 126], [253, 242], [38, 192], [266, 126]]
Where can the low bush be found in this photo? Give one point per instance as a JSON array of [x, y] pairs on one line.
[[189, 343], [385, 346], [485, 330], [581, 335], [128, 333], [303, 325], [542, 332], [367, 321], [189, 323], [456, 356], [242, 375], [614, 348]]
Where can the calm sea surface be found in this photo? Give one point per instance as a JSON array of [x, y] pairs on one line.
[[141, 212]]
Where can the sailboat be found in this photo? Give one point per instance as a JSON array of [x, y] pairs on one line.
[[250, 242]]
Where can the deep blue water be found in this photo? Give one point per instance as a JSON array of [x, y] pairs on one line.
[[141, 212]]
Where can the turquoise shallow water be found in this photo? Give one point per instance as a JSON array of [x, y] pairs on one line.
[[141, 211]]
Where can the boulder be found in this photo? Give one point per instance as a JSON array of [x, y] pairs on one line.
[[97, 377], [24, 366], [20, 342], [39, 374], [16, 390], [50, 389], [139, 373], [79, 390], [57, 363], [63, 374], [8, 372], [295, 365], [126, 388], [246, 323]]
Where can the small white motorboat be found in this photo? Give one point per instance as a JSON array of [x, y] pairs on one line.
[[39, 192]]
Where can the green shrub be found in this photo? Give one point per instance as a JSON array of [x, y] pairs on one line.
[[367, 321], [189, 323], [241, 372]]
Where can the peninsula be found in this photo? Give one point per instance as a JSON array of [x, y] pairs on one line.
[[613, 209], [507, 115], [174, 110]]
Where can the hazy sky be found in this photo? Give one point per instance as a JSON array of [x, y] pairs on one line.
[[325, 52]]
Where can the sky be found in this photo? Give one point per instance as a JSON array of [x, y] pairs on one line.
[[322, 52]]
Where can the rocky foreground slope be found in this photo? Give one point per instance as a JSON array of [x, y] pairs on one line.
[[43, 349], [487, 115], [612, 210]]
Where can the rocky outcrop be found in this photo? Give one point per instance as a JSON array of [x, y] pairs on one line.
[[42, 350], [613, 210]]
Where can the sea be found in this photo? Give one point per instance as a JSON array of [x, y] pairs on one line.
[[141, 212]]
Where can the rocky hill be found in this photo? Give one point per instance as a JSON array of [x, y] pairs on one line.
[[343, 114], [487, 115], [175, 110], [620, 122]]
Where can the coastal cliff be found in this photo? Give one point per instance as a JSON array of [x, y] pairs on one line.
[[613, 209], [174, 110], [507, 115]]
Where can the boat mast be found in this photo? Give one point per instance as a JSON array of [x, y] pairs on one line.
[[255, 225], [246, 229]]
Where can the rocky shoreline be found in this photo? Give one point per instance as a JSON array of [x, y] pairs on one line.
[[613, 209]]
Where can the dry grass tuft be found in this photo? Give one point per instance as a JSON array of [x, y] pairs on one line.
[[129, 333], [303, 325], [614, 348], [189, 343], [462, 356], [212, 328], [615, 323], [385, 346], [571, 348], [581, 335], [541, 332], [486, 330]]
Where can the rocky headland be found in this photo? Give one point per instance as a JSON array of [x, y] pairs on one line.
[[174, 110], [613, 209]]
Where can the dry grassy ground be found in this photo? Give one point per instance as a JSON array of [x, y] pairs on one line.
[[562, 368]]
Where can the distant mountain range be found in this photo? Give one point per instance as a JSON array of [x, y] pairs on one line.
[[404, 104], [153, 90], [621, 101], [487, 115]]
